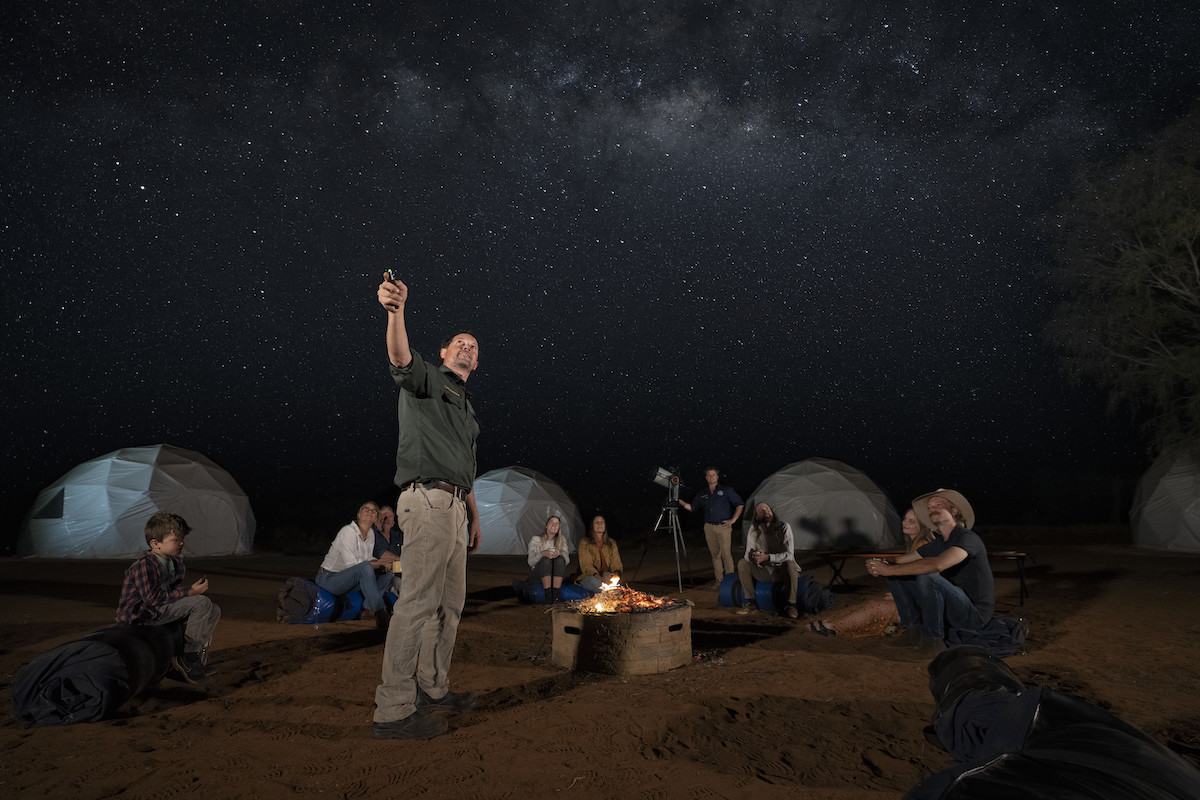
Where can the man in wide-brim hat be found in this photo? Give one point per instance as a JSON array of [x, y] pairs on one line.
[[962, 511], [946, 583]]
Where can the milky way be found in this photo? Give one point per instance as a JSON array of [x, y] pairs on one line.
[[742, 233]]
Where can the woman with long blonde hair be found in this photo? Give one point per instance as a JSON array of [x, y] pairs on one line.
[[548, 558], [873, 617]]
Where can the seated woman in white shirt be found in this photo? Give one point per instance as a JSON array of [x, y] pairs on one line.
[[349, 565], [548, 559]]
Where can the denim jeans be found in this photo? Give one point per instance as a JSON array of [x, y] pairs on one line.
[[934, 603], [362, 577], [591, 583]]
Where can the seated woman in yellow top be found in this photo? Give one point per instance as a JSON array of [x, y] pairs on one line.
[[599, 558]]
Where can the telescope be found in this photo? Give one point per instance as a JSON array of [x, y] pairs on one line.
[[668, 478]]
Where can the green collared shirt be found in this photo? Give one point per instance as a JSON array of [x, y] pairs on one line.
[[438, 427]]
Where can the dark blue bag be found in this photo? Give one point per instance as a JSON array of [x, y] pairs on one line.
[[1002, 636]]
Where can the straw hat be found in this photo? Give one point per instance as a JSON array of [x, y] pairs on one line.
[[920, 505]]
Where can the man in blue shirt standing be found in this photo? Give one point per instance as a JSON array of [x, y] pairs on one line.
[[946, 583], [721, 507]]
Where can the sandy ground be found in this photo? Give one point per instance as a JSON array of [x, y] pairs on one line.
[[765, 709]]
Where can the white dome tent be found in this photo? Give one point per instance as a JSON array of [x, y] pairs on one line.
[[829, 505], [514, 504], [1166, 506], [99, 509]]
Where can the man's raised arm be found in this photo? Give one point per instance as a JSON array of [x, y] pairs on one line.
[[392, 296]]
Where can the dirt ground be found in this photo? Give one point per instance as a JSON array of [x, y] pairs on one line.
[[765, 708]]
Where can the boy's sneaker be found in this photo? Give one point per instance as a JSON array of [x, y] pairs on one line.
[[747, 607], [189, 667]]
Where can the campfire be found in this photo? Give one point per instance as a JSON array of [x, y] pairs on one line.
[[617, 599], [622, 631]]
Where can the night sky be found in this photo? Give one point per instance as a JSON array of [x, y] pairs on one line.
[[739, 233]]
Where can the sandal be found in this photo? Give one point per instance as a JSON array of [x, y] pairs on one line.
[[819, 626]]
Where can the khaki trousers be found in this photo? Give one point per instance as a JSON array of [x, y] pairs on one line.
[[718, 538], [420, 639]]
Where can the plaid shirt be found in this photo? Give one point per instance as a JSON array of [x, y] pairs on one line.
[[142, 593]]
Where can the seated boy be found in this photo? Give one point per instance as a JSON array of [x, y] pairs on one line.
[[154, 593]]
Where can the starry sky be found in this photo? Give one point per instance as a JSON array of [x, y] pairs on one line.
[[685, 233]]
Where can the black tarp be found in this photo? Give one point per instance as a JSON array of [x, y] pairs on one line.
[[88, 679], [1037, 743]]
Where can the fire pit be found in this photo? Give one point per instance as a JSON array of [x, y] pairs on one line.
[[624, 632]]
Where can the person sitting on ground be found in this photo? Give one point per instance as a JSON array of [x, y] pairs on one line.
[[946, 583], [389, 540], [770, 556], [351, 564], [599, 559], [548, 559], [873, 617], [155, 592]]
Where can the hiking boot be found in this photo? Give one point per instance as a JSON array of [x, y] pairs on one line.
[[790, 612], [911, 637], [189, 667], [383, 618], [453, 701], [420, 725], [747, 607]]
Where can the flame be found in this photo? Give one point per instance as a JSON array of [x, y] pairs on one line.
[[616, 598]]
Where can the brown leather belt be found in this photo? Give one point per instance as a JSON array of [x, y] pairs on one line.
[[457, 491]]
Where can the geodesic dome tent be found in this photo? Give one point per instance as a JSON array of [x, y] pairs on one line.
[[1166, 506], [99, 509], [830, 505], [514, 504]]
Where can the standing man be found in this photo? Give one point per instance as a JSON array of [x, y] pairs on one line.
[[721, 507], [945, 583], [435, 470]]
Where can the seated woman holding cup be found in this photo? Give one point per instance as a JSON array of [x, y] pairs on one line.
[[548, 559], [350, 564]]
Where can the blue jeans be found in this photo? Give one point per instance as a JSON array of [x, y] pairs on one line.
[[591, 583], [362, 577], [934, 603]]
